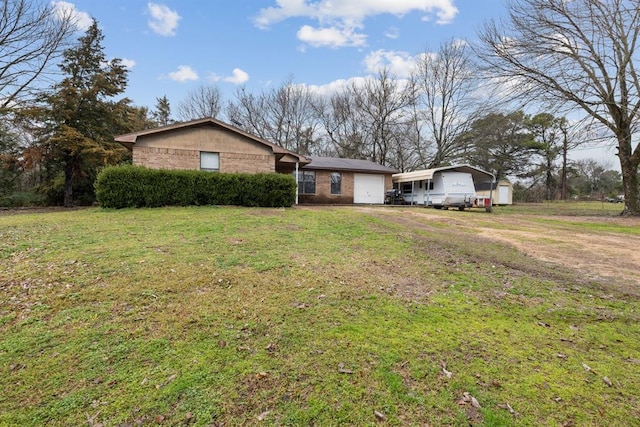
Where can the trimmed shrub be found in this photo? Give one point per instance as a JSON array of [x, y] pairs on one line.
[[137, 186]]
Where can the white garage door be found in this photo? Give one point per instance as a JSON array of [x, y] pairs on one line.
[[368, 188]]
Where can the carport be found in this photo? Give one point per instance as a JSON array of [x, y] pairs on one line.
[[421, 182]]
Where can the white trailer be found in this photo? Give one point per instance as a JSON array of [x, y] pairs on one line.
[[445, 187]]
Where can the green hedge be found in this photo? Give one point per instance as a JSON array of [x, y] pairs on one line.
[[136, 186]]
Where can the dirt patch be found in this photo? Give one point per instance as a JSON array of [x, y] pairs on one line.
[[609, 258]]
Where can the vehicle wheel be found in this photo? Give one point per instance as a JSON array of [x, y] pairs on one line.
[[460, 208]]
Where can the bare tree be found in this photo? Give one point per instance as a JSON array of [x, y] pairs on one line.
[[283, 115], [381, 102], [33, 36], [367, 119], [342, 125], [579, 53], [204, 101], [445, 86]]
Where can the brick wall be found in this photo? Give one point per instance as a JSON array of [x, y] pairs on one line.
[[247, 163], [323, 189], [166, 158], [172, 158]]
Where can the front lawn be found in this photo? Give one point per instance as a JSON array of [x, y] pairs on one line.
[[324, 316]]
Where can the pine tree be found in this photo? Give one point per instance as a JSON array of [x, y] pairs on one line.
[[81, 117], [162, 114]]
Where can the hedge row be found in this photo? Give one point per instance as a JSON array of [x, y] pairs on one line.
[[136, 186]]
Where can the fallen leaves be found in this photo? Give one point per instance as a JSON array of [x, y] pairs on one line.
[[605, 379], [343, 370], [472, 405], [508, 408], [467, 398], [167, 381], [446, 373], [263, 415]]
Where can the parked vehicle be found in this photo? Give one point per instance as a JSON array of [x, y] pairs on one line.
[[617, 199], [444, 187]]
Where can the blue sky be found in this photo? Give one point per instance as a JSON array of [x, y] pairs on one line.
[[174, 46]]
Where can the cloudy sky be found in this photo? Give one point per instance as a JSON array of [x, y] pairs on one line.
[[173, 46]]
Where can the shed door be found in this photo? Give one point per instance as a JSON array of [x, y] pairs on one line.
[[368, 188], [503, 194]]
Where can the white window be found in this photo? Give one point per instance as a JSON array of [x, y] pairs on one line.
[[336, 183], [306, 182], [209, 161]]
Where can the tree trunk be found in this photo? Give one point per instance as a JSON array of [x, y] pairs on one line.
[[68, 184], [630, 185], [565, 149], [629, 167]]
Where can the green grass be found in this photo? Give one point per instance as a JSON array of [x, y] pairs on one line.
[[300, 316]]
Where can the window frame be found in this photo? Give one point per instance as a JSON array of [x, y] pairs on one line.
[[336, 183], [204, 155], [305, 184]]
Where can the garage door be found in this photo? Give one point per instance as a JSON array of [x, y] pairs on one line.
[[368, 188]]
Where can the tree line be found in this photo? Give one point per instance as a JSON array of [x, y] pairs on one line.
[[503, 104]]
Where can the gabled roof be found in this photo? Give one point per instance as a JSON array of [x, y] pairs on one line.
[[356, 165], [129, 139], [427, 174]]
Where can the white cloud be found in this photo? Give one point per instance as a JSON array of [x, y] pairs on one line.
[[340, 85], [238, 77], [183, 74], [63, 9], [331, 37], [392, 33], [164, 21], [335, 86], [339, 18], [128, 63], [399, 63]]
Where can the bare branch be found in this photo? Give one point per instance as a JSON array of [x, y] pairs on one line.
[[579, 55], [32, 38]]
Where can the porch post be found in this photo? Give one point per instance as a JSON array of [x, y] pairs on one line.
[[297, 183], [413, 191], [491, 185]]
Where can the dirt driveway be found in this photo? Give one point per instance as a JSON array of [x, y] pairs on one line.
[[585, 244]]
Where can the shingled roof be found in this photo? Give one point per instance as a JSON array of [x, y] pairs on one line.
[[355, 165]]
